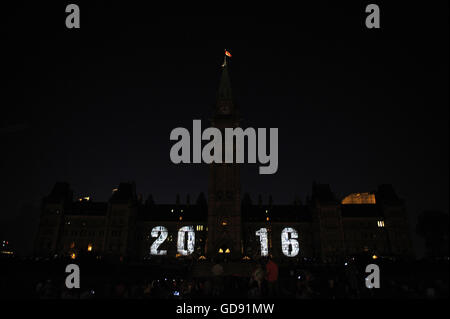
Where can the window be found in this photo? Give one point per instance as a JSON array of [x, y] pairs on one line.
[[116, 233], [199, 227], [380, 223]]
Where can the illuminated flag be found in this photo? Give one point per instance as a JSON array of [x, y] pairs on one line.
[[228, 54]]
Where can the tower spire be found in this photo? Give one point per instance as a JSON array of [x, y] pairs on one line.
[[225, 84], [224, 93]]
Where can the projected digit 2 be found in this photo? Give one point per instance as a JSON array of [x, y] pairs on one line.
[[162, 232]]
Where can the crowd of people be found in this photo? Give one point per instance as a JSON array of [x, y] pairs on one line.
[[264, 281]]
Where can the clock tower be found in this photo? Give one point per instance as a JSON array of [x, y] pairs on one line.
[[224, 189]]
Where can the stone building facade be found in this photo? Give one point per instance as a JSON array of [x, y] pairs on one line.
[[328, 229]]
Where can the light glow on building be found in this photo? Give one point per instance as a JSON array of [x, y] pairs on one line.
[[359, 198]]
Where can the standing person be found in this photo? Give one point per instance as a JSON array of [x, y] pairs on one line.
[[256, 281], [272, 277]]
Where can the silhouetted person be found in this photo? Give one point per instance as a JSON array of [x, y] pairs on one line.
[[256, 281], [217, 271]]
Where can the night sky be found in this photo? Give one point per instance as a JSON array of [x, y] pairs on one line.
[[95, 106]]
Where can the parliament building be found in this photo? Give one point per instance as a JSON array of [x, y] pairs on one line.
[[226, 222]]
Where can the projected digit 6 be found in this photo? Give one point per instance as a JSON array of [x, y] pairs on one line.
[[287, 242]]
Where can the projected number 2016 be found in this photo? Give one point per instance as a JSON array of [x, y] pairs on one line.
[[183, 248], [186, 241], [289, 244]]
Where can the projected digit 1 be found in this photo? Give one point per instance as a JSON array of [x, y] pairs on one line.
[[162, 232], [287, 242], [262, 233], [190, 240]]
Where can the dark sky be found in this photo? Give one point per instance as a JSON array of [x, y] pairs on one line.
[[355, 107]]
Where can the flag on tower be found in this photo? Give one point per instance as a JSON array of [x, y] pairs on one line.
[[228, 54]]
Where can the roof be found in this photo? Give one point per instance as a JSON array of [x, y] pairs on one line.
[[61, 192], [386, 194], [322, 193]]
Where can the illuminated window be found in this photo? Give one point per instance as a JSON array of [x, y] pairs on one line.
[[89, 247], [224, 223], [267, 211], [380, 223], [267, 218], [73, 256], [171, 210], [227, 251], [220, 251], [181, 218], [199, 227]]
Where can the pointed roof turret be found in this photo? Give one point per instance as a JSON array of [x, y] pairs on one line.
[[225, 106]]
